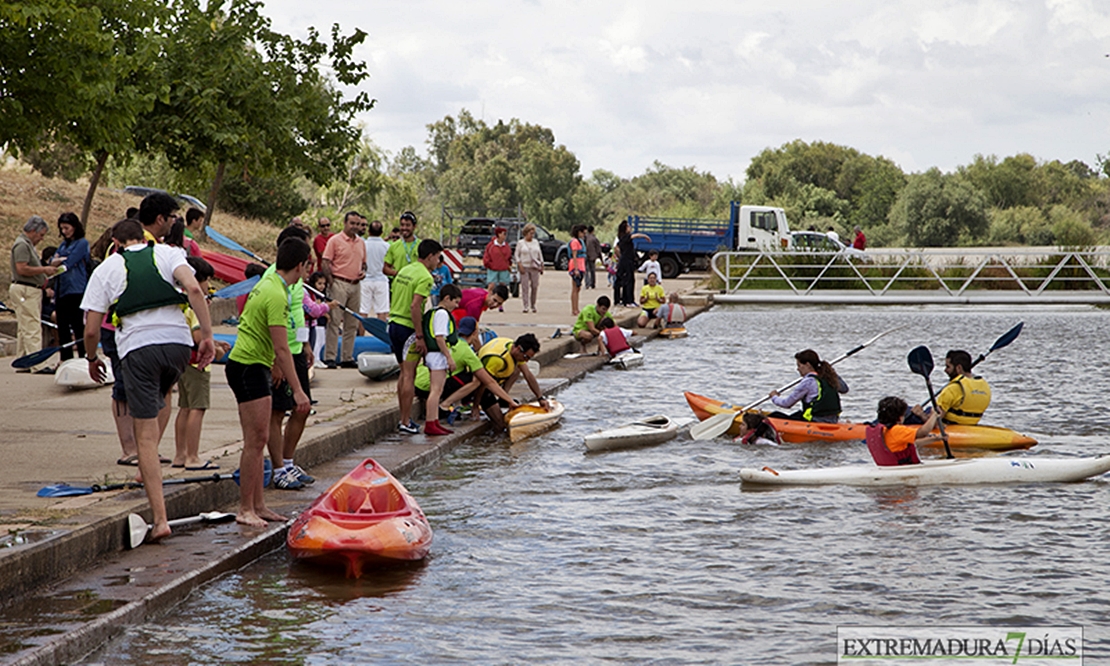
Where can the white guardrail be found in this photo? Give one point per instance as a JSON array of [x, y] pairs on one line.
[[922, 276]]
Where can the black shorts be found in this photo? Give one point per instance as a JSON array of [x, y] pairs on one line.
[[398, 336], [248, 382], [489, 399], [149, 373], [283, 393], [449, 387], [650, 313], [108, 346]]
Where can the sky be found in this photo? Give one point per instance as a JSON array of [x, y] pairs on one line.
[[712, 84]]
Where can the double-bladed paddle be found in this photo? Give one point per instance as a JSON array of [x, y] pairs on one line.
[[137, 527], [718, 424], [66, 490], [1003, 340], [921, 363], [34, 358]]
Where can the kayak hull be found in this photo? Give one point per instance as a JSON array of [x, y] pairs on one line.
[[74, 374], [645, 432], [526, 424], [673, 332], [993, 438], [366, 519], [962, 471], [628, 360], [375, 365]]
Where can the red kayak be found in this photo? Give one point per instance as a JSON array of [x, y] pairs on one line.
[[228, 268], [366, 519]]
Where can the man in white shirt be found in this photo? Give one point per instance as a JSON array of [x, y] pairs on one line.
[[375, 286], [154, 341]]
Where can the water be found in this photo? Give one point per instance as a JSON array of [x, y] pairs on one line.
[[546, 555]]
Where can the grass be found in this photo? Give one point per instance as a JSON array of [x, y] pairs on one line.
[[24, 193]]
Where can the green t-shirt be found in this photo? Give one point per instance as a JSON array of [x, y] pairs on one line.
[[401, 254], [411, 280], [296, 313], [268, 304], [587, 314], [466, 360]]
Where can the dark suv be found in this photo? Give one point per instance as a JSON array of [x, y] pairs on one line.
[[478, 231]]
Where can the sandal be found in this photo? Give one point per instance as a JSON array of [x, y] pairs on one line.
[[206, 466], [129, 461]]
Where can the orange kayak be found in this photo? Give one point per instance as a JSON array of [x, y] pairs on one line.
[[798, 432], [366, 518]]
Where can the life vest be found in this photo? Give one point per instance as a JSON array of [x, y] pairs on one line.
[[671, 313], [615, 342], [763, 431], [145, 289], [497, 358], [827, 402], [429, 336], [974, 400], [882, 455]]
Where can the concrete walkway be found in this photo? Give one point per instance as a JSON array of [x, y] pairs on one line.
[[67, 553]]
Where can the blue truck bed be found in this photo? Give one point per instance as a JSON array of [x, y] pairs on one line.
[[684, 235]]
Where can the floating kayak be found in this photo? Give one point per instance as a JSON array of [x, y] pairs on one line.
[[374, 365], [962, 471], [627, 360], [526, 423], [797, 432], [673, 332], [366, 519], [645, 432], [74, 374]]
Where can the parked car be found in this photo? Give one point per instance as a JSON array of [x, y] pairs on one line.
[[819, 242], [478, 231], [186, 201]]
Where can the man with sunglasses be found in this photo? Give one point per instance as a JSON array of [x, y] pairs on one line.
[[506, 360], [323, 233]]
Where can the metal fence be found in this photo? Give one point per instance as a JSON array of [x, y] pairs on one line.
[[976, 276]]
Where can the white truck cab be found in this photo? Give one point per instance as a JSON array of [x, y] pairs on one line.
[[761, 228]]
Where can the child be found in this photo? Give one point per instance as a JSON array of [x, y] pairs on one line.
[[585, 327], [194, 388], [613, 339], [442, 276], [651, 297], [611, 269], [439, 326], [318, 325], [652, 267], [892, 443], [755, 429]]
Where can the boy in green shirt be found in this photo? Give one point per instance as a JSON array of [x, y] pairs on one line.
[[411, 287], [585, 328]]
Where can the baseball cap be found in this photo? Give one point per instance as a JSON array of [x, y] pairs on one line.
[[467, 325]]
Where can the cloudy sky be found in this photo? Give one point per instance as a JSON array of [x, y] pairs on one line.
[[711, 84]]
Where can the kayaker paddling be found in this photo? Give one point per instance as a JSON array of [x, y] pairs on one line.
[[819, 391], [891, 442], [964, 399]]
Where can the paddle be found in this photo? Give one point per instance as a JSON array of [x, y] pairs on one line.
[[34, 358], [921, 363], [579, 355], [718, 424], [1003, 341], [375, 327], [138, 528], [66, 490]]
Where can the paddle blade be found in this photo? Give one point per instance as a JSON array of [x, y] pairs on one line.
[[34, 358], [714, 426], [377, 328], [921, 361], [230, 244], [136, 530], [1007, 337], [64, 490]]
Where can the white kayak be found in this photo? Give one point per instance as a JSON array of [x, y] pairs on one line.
[[375, 365], [533, 420], [645, 432], [960, 471], [630, 359], [74, 374]]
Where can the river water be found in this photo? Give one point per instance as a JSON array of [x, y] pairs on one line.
[[546, 555]]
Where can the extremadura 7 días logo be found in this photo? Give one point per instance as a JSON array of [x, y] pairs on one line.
[[893, 646]]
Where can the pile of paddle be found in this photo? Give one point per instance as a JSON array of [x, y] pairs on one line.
[[920, 362]]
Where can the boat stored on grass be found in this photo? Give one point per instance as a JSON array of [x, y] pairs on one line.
[[534, 420], [957, 471], [366, 519], [993, 438], [645, 432]]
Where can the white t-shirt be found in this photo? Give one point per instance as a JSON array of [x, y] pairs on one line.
[[649, 267], [157, 326], [376, 248]]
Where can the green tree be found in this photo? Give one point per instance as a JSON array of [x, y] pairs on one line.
[[936, 210]]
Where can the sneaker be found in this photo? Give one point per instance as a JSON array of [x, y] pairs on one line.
[[287, 480], [303, 476], [44, 371], [409, 428], [349, 364], [331, 365]]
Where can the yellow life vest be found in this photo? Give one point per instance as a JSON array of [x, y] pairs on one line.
[[964, 400], [497, 358]]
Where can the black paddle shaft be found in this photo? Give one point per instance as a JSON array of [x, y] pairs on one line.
[[921, 363]]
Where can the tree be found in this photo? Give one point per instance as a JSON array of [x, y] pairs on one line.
[[936, 210]]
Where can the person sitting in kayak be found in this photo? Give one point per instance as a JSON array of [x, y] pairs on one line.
[[964, 399], [755, 429], [613, 339], [819, 391], [890, 441]]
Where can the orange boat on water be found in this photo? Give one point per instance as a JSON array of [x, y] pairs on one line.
[[366, 519], [799, 432]]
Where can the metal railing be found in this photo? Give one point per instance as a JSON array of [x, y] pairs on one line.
[[980, 276]]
